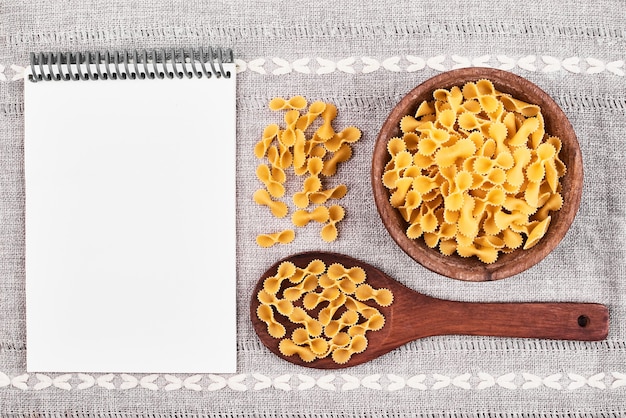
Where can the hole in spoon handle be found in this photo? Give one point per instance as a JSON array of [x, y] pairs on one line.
[[562, 321]]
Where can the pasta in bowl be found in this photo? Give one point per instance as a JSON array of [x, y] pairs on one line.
[[477, 174]]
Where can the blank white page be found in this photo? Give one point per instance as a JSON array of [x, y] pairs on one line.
[[130, 225]]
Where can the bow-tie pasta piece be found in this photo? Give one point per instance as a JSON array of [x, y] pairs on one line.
[[270, 133], [373, 323], [320, 197], [279, 156], [274, 328], [315, 267], [288, 136], [318, 346], [282, 306], [365, 310], [296, 102], [554, 203], [309, 147], [448, 99], [347, 319], [383, 297], [310, 185], [348, 135], [282, 237], [262, 197], [396, 168], [311, 300], [288, 348], [285, 271], [295, 292], [315, 110], [303, 217], [396, 145], [312, 325], [357, 344], [536, 233], [271, 178], [326, 131], [338, 272], [327, 313], [475, 172], [344, 153], [329, 231], [409, 124]]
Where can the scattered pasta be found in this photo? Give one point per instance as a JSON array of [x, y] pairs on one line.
[[308, 146], [328, 303], [475, 172]]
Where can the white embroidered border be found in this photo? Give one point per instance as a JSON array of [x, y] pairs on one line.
[[412, 63], [329, 382], [406, 63]]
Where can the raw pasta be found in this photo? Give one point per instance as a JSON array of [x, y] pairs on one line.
[[329, 231], [282, 237], [303, 217], [312, 151], [327, 304], [278, 208], [475, 172], [296, 102]]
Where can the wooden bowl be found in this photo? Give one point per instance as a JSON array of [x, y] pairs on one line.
[[472, 269]]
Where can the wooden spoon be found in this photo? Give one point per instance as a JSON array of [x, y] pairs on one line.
[[413, 315]]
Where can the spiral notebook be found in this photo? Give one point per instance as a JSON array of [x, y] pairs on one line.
[[130, 211]]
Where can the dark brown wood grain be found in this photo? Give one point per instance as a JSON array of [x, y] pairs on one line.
[[413, 315], [472, 269]]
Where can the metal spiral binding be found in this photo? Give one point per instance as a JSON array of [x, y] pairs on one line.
[[130, 64]]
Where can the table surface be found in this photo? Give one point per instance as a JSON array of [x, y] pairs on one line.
[[362, 57]]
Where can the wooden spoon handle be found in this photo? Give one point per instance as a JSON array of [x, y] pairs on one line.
[[562, 321]]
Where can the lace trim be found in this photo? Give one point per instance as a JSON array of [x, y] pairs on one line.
[[406, 63], [412, 63], [328, 382]]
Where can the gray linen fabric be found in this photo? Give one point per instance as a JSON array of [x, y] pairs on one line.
[[362, 56]]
